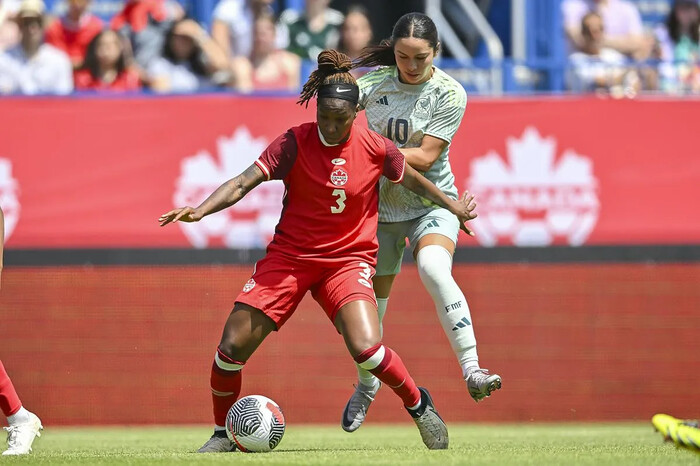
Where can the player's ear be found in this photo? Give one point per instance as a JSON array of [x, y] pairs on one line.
[[438, 46]]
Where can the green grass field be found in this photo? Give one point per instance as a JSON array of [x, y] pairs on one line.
[[492, 444]]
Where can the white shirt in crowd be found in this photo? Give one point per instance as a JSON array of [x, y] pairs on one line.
[[620, 17], [239, 19], [608, 66], [179, 76], [49, 71]]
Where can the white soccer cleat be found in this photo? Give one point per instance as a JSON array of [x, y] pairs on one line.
[[433, 430], [357, 407], [20, 437], [481, 384], [218, 443]]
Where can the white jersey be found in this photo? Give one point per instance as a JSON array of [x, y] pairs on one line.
[[405, 113]]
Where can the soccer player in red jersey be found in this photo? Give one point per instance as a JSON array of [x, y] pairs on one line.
[[24, 425], [325, 242]]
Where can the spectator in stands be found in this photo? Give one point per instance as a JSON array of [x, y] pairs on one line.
[[9, 32], [597, 67], [355, 35], [318, 28], [106, 65], [34, 67], [355, 32], [678, 46], [232, 26], [623, 25], [145, 23], [73, 32], [268, 68], [190, 60]]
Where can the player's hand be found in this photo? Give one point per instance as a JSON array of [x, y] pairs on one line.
[[183, 214], [464, 209], [190, 28]]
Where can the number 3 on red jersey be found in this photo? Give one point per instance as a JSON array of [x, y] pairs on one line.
[[340, 201]]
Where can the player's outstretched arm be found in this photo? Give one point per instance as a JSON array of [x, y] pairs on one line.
[[225, 196], [462, 208], [423, 157]]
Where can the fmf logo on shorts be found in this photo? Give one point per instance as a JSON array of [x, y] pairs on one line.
[[339, 177], [9, 200], [248, 224], [535, 198]]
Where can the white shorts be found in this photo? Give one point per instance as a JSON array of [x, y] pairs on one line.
[[392, 237]]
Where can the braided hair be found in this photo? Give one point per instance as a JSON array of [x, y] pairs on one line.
[[333, 68]]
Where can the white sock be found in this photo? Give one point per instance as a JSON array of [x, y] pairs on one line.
[[415, 406], [435, 270], [219, 428], [381, 310], [20, 417], [365, 377]]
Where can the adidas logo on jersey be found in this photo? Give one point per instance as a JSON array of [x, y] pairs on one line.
[[383, 101]]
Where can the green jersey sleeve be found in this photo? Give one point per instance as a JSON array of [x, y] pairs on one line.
[[448, 115]]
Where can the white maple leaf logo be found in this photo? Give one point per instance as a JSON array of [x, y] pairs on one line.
[[534, 199], [9, 200], [248, 224]]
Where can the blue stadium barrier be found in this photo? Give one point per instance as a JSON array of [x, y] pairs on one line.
[[653, 11], [545, 43]]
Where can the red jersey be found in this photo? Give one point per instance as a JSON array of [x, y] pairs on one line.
[[74, 38], [128, 80], [330, 207], [137, 14]]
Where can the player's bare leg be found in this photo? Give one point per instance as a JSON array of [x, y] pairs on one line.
[[357, 321], [367, 384], [245, 330]]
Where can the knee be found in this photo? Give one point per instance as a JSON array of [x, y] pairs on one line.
[[371, 357], [359, 345], [230, 345], [228, 348], [225, 363], [434, 265]]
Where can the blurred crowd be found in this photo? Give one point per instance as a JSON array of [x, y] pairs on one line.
[[610, 50], [151, 44]]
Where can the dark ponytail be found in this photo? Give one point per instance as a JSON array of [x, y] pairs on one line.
[[415, 25], [333, 68]]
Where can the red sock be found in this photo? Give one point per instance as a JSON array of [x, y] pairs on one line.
[[387, 366], [9, 401], [225, 385]]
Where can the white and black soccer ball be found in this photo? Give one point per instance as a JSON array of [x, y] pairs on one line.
[[255, 424]]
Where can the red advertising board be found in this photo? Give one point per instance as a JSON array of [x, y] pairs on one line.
[[133, 345], [97, 172]]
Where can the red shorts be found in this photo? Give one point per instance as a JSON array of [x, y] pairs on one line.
[[279, 283]]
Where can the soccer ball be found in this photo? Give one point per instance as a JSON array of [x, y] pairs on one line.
[[255, 424]]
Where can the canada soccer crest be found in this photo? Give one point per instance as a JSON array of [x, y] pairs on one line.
[[339, 177], [250, 284], [9, 200], [533, 197], [248, 224]]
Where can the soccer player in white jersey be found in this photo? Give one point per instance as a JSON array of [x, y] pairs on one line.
[[419, 107]]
